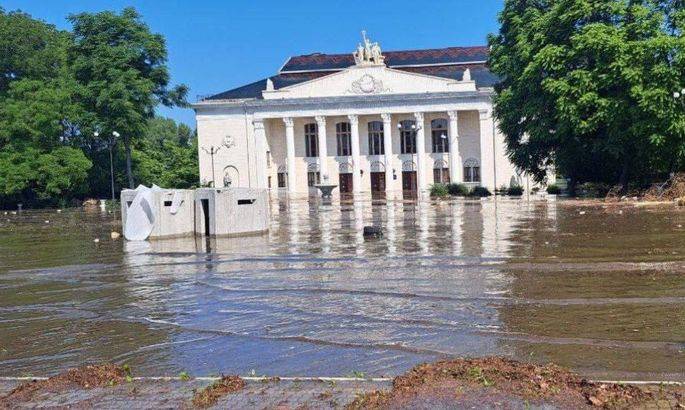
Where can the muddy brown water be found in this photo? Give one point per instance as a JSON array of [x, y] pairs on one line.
[[598, 288]]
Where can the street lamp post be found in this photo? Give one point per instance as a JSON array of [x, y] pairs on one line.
[[211, 151], [228, 142], [111, 141], [680, 96]]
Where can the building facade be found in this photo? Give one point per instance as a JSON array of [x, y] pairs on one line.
[[387, 124]]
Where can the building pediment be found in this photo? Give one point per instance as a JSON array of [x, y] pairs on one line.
[[370, 80]]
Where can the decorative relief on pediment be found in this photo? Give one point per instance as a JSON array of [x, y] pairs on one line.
[[367, 84]]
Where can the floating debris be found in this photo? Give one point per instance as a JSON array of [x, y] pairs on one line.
[[114, 235]]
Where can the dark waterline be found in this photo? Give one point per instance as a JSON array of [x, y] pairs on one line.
[[598, 288]]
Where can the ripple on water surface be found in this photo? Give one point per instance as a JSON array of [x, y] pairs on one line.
[[602, 292]]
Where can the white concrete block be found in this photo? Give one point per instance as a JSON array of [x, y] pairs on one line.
[[166, 224], [231, 211]]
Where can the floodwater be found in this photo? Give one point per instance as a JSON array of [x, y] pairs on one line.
[[596, 287]]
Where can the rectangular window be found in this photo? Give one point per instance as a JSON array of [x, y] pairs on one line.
[[440, 143], [313, 178], [281, 180], [343, 135], [408, 142], [439, 135], [311, 140], [268, 158], [376, 138], [268, 181]]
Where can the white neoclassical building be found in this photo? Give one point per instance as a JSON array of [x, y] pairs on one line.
[[389, 124]]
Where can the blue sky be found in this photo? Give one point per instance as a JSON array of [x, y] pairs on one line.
[[216, 45]]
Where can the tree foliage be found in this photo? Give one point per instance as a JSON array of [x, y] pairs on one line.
[[57, 88], [587, 87], [120, 68]]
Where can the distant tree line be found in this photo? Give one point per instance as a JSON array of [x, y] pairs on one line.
[[64, 95], [592, 88]]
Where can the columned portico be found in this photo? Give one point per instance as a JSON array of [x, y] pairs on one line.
[[387, 148], [420, 152], [455, 155], [290, 152], [323, 149], [356, 155]]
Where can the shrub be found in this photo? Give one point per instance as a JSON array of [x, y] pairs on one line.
[[502, 190], [553, 189], [456, 189], [439, 191], [515, 190], [480, 191]]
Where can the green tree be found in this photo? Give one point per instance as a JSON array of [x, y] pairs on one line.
[[38, 116], [29, 48], [120, 68], [167, 155], [586, 86]]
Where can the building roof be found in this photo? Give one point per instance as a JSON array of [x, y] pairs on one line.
[[447, 62]]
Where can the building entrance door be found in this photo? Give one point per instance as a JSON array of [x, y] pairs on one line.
[[345, 182], [409, 184], [378, 185]]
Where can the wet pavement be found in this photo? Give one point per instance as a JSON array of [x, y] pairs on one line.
[[599, 288]]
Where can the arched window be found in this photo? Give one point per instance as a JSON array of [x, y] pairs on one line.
[[408, 137], [311, 140], [282, 176], [441, 172], [313, 175], [471, 170], [343, 135], [439, 135], [376, 138]]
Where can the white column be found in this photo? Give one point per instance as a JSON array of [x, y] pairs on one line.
[[356, 157], [456, 168], [387, 148], [323, 149], [487, 150], [290, 152], [260, 146], [420, 153]]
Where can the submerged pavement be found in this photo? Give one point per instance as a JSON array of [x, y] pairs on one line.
[[598, 288]]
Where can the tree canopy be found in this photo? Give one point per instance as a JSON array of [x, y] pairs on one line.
[[587, 87], [58, 87]]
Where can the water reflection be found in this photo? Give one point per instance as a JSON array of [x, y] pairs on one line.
[[601, 291]]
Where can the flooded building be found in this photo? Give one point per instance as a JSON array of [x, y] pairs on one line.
[[386, 123]]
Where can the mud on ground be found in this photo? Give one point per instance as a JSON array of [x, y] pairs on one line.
[[490, 382], [496, 382]]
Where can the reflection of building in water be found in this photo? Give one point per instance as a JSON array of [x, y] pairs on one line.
[[457, 215], [391, 229], [422, 211]]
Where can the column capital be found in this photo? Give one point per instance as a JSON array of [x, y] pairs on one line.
[[418, 116], [320, 120], [354, 119], [484, 114], [386, 117], [258, 123], [288, 121], [453, 114]]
